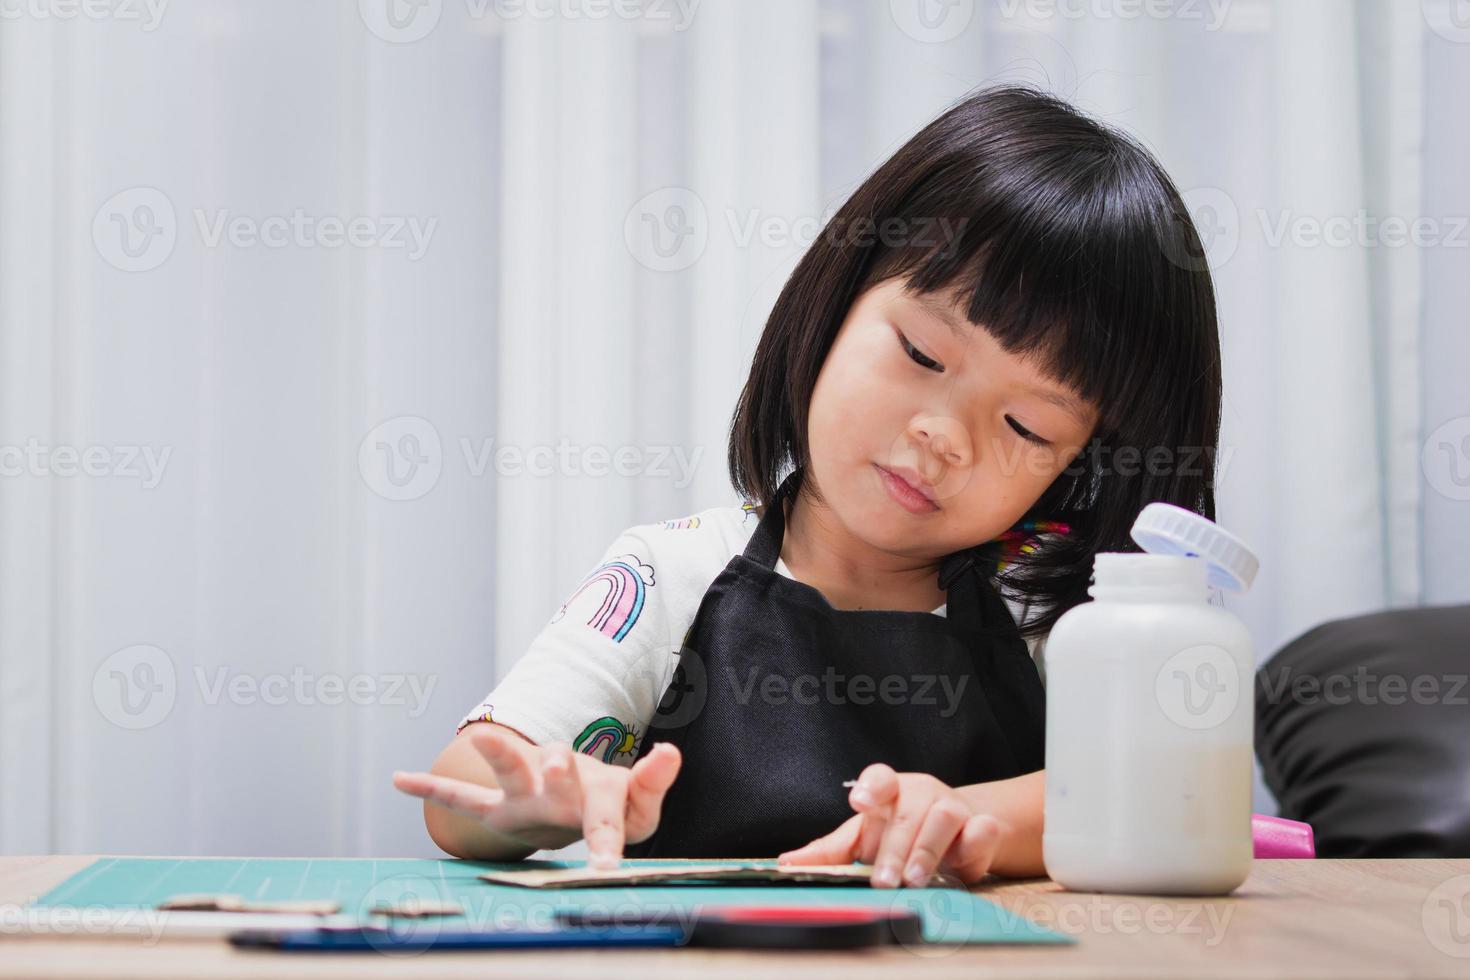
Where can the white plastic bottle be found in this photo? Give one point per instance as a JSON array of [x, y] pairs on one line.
[[1149, 718]]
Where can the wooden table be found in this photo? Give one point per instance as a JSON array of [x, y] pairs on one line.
[[1291, 918]]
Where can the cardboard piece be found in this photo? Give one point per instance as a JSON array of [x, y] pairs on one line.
[[633, 874], [414, 907], [234, 903]]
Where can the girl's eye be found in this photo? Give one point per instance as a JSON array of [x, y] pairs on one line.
[[919, 357], [1026, 433]]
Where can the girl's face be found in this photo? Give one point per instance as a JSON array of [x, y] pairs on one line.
[[927, 437]]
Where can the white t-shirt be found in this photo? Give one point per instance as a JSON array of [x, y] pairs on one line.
[[594, 675]]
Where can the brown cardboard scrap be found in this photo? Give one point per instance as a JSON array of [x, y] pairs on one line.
[[234, 903], [417, 908], [655, 873]]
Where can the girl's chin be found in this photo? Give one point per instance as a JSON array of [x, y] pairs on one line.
[[868, 512], [888, 527]]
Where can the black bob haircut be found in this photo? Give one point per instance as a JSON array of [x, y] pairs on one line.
[[1070, 245]]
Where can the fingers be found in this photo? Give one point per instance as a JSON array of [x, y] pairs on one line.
[[560, 785], [877, 786], [899, 834], [837, 847], [648, 783], [971, 855], [603, 802], [470, 799], [511, 762], [873, 796], [938, 831]]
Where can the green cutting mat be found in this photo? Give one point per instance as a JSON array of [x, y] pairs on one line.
[[950, 915]]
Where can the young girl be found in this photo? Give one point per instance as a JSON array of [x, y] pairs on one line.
[[999, 349]]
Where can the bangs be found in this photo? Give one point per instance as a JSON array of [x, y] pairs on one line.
[[1058, 265]]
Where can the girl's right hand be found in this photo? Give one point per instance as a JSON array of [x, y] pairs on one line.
[[549, 796]]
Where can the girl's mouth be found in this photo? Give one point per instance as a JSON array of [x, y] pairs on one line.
[[911, 496]]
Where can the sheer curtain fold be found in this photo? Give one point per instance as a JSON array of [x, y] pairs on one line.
[[1391, 49], [1328, 547], [28, 585], [566, 308]]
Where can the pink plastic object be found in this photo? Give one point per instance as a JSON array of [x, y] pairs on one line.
[[1276, 837]]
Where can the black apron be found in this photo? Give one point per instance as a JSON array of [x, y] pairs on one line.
[[778, 698]]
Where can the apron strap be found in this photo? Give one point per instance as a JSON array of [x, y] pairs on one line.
[[975, 604], [764, 547]]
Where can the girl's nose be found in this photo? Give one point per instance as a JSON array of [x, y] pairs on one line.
[[945, 440]]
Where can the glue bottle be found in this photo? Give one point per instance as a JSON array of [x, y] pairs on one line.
[[1149, 717]]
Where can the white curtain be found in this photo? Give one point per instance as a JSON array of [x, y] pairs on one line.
[[338, 340]]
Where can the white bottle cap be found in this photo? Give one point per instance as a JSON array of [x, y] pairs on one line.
[[1164, 529]]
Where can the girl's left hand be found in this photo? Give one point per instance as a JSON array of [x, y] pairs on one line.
[[910, 826]]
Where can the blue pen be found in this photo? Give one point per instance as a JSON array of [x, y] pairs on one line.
[[370, 938]]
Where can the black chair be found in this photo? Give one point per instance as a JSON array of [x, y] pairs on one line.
[[1363, 731]]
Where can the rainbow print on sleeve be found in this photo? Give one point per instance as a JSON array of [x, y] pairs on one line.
[[614, 593], [606, 737], [484, 710]]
